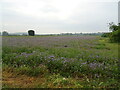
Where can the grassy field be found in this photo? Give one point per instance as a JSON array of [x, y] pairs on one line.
[[59, 62]]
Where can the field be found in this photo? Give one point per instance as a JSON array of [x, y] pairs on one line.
[[59, 62]]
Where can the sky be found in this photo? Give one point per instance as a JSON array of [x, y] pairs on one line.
[[58, 16]]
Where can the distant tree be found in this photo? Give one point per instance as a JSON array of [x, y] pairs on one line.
[[5, 33], [113, 27], [31, 32]]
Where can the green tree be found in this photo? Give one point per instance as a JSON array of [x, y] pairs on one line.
[[113, 27]]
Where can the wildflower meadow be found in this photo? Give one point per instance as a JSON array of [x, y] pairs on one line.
[[59, 62]]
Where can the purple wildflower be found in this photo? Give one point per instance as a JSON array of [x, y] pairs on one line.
[[95, 65], [51, 56], [25, 54], [84, 63]]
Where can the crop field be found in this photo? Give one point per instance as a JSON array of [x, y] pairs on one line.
[[59, 62]]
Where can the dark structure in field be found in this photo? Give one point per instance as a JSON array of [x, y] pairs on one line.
[[31, 32]]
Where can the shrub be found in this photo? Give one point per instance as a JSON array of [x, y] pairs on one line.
[[114, 37], [105, 35]]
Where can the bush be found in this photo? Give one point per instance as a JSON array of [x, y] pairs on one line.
[[105, 35], [114, 37]]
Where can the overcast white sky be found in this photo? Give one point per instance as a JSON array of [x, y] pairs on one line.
[[58, 16]]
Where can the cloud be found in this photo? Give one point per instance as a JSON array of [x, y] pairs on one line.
[[56, 16]]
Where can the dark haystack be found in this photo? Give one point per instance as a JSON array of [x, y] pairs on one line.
[[31, 33], [65, 46]]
